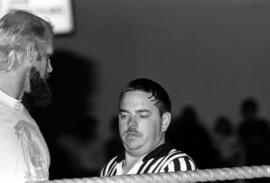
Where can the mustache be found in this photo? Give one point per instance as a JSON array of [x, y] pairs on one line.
[[132, 130]]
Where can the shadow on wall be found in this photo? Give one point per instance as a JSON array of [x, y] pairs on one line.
[[113, 146], [254, 135], [187, 134], [227, 145], [67, 124]]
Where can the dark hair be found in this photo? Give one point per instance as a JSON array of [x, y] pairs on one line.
[[249, 106], [158, 93]]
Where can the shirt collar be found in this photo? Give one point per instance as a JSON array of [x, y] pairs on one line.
[[10, 101], [159, 151]]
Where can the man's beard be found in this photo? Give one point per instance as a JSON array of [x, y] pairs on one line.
[[40, 94]]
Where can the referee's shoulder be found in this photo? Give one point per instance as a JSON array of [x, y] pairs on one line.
[[181, 156], [108, 166]]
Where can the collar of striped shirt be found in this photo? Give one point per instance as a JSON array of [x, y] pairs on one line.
[[161, 150]]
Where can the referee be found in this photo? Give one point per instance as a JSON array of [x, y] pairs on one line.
[[144, 116]]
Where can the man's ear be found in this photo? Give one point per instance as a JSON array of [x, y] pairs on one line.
[[166, 120], [11, 61]]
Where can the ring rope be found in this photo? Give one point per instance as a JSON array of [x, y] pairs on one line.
[[206, 175]]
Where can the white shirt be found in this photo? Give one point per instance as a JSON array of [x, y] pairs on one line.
[[24, 155]]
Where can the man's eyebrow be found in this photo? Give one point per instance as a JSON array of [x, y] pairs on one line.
[[143, 110], [122, 110]]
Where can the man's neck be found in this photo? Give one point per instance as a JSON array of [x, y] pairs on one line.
[[10, 85], [131, 160]]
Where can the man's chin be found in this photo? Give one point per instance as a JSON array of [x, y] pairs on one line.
[[136, 150], [132, 145]]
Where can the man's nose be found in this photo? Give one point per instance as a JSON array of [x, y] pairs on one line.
[[49, 66], [132, 122]]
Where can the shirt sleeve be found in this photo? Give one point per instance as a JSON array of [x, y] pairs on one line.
[[180, 164]]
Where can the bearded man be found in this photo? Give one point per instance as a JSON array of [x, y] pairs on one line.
[[26, 43]]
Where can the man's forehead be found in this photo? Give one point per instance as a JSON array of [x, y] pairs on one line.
[[136, 94], [138, 98]]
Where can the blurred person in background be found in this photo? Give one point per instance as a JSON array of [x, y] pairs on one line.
[[254, 135], [227, 143]]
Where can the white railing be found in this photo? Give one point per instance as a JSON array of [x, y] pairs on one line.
[[206, 175]]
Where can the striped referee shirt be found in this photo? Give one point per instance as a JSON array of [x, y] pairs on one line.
[[162, 159]]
